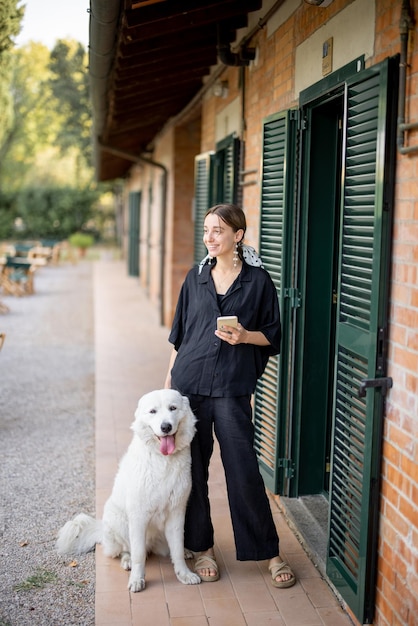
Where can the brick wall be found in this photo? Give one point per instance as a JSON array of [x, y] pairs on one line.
[[398, 546], [187, 146], [269, 89], [167, 232]]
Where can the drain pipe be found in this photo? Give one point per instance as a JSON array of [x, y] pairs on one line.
[[225, 54], [406, 24], [137, 160], [244, 54]]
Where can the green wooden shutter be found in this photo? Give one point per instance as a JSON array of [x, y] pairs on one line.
[[226, 171], [133, 230], [277, 200], [216, 181], [202, 200], [361, 325]]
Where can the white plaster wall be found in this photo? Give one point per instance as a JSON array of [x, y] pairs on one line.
[[352, 31], [228, 121]]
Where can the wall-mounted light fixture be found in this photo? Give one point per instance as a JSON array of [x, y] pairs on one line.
[[220, 89], [319, 3]]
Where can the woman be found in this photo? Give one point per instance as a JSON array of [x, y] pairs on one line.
[[218, 371]]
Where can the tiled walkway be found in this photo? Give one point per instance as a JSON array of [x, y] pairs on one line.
[[132, 354]]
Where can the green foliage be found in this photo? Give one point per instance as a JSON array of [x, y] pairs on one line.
[[69, 84], [10, 24], [38, 580], [47, 213], [8, 215], [81, 240], [33, 126], [49, 141], [46, 173]]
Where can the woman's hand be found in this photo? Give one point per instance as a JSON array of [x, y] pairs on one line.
[[235, 336], [232, 335]]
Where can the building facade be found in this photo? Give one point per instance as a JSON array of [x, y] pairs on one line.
[[313, 129]]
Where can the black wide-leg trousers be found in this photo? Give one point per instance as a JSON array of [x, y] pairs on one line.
[[255, 534]]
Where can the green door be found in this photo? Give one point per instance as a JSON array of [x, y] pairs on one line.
[[226, 171], [202, 200], [317, 275], [133, 229], [361, 329], [364, 153], [276, 228], [216, 181]]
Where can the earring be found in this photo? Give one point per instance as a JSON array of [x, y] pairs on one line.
[[235, 258]]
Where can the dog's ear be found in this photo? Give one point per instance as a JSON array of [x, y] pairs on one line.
[[137, 424], [187, 408], [186, 402], [139, 406]]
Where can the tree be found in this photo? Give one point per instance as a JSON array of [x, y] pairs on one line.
[[70, 87], [46, 175], [33, 123], [10, 24], [49, 142], [54, 212], [48, 212]]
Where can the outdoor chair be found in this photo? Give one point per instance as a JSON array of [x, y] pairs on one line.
[[16, 278]]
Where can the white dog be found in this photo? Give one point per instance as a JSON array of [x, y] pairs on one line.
[[146, 510]]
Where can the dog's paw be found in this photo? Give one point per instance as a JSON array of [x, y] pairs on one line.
[[188, 577], [136, 585], [125, 561]]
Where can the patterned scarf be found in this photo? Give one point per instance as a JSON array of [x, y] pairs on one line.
[[250, 257]]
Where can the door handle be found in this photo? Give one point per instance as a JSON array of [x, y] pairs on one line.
[[384, 383]]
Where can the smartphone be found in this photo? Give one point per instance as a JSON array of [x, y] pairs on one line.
[[226, 320]]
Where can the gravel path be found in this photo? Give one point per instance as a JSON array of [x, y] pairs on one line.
[[46, 448]]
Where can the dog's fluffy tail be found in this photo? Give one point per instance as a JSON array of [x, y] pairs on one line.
[[79, 535]]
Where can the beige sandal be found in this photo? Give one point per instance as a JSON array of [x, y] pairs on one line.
[[199, 564], [277, 569]]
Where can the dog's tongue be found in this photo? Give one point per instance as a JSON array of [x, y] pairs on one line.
[[167, 445]]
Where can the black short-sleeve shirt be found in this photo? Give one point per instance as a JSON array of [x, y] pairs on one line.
[[206, 365]]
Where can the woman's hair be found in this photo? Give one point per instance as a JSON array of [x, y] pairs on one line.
[[234, 216], [231, 214]]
